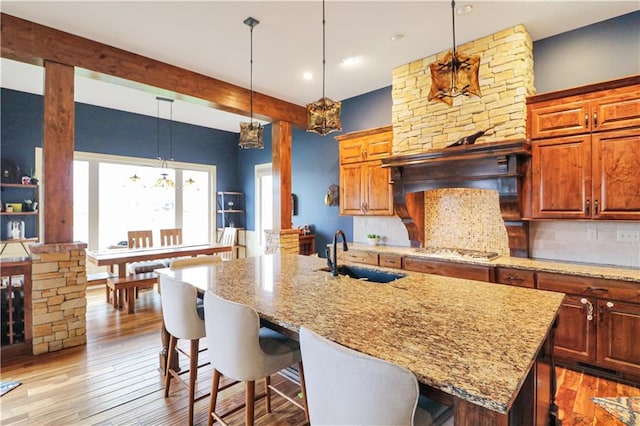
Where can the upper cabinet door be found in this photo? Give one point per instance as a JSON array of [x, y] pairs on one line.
[[616, 174], [352, 151], [558, 118], [561, 173], [379, 200], [616, 112]]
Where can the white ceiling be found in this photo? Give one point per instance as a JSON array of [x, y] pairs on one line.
[[209, 37]]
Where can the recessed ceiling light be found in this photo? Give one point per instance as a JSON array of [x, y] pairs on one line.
[[349, 60], [464, 10], [397, 36], [307, 75]]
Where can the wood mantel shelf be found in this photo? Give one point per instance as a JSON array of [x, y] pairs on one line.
[[500, 166]]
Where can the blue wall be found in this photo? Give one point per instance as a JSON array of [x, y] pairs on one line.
[[603, 51], [108, 131]]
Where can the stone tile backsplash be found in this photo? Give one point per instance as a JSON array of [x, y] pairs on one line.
[[465, 218], [588, 241]]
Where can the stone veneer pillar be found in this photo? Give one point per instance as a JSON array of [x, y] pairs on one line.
[[59, 283], [505, 77], [282, 241]]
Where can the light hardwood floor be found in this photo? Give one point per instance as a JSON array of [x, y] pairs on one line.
[[114, 380]]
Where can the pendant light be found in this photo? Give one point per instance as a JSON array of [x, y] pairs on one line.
[[251, 132], [323, 115], [164, 181], [456, 74]]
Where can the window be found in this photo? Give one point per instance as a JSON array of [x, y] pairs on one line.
[[113, 195]]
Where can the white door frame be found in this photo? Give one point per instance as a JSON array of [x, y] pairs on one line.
[[261, 170]]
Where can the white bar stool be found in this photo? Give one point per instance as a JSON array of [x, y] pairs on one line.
[[239, 348]]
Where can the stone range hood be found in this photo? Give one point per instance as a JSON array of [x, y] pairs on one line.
[[501, 166]]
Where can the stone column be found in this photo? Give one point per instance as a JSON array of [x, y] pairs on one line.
[[59, 283], [282, 241]]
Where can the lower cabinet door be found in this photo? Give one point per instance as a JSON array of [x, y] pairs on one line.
[[618, 336], [576, 334]]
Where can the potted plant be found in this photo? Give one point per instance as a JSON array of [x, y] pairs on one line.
[[373, 239]]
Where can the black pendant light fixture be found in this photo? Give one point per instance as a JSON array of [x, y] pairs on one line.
[[456, 74], [164, 181], [251, 132], [323, 115]]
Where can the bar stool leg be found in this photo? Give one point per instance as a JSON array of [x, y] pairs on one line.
[[267, 391], [249, 400], [167, 380], [214, 396], [304, 392], [193, 376]]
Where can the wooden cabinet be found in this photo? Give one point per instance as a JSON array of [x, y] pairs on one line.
[[449, 269], [585, 155], [15, 306], [517, 277], [365, 187], [618, 333], [585, 114], [391, 260], [576, 332], [598, 322], [588, 176], [359, 256]]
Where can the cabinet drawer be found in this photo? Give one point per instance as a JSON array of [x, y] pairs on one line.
[[448, 269], [391, 261], [586, 286], [359, 257], [515, 277]]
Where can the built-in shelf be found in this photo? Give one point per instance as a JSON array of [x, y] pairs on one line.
[[19, 213]]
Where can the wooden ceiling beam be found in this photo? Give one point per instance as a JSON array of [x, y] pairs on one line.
[[33, 43]]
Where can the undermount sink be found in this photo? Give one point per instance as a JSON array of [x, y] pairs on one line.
[[365, 274]]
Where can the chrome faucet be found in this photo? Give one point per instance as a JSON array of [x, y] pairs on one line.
[[333, 264]]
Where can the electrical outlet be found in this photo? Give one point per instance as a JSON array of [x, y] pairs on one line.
[[592, 234], [629, 236]]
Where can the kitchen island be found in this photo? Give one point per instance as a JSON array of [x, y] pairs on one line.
[[472, 344]]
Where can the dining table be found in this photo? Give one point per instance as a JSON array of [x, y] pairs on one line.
[[121, 257], [483, 348]]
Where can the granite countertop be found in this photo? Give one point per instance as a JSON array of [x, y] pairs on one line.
[[476, 343], [560, 267]]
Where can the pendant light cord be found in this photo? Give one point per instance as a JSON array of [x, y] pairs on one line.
[[251, 82], [454, 59], [158, 127], [158, 99], [324, 61], [171, 129]]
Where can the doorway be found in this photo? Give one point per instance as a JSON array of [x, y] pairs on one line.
[[264, 204]]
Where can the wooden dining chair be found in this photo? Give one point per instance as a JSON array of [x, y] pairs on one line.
[[140, 239], [229, 236], [170, 237]]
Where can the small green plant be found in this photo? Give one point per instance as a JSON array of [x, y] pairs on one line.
[[374, 236]]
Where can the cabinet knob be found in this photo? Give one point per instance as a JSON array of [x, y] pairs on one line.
[[587, 207], [609, 305], [595, 207], [586, 119], [595, 119]]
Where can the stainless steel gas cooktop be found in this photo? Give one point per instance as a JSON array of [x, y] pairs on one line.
[[455, 253]]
